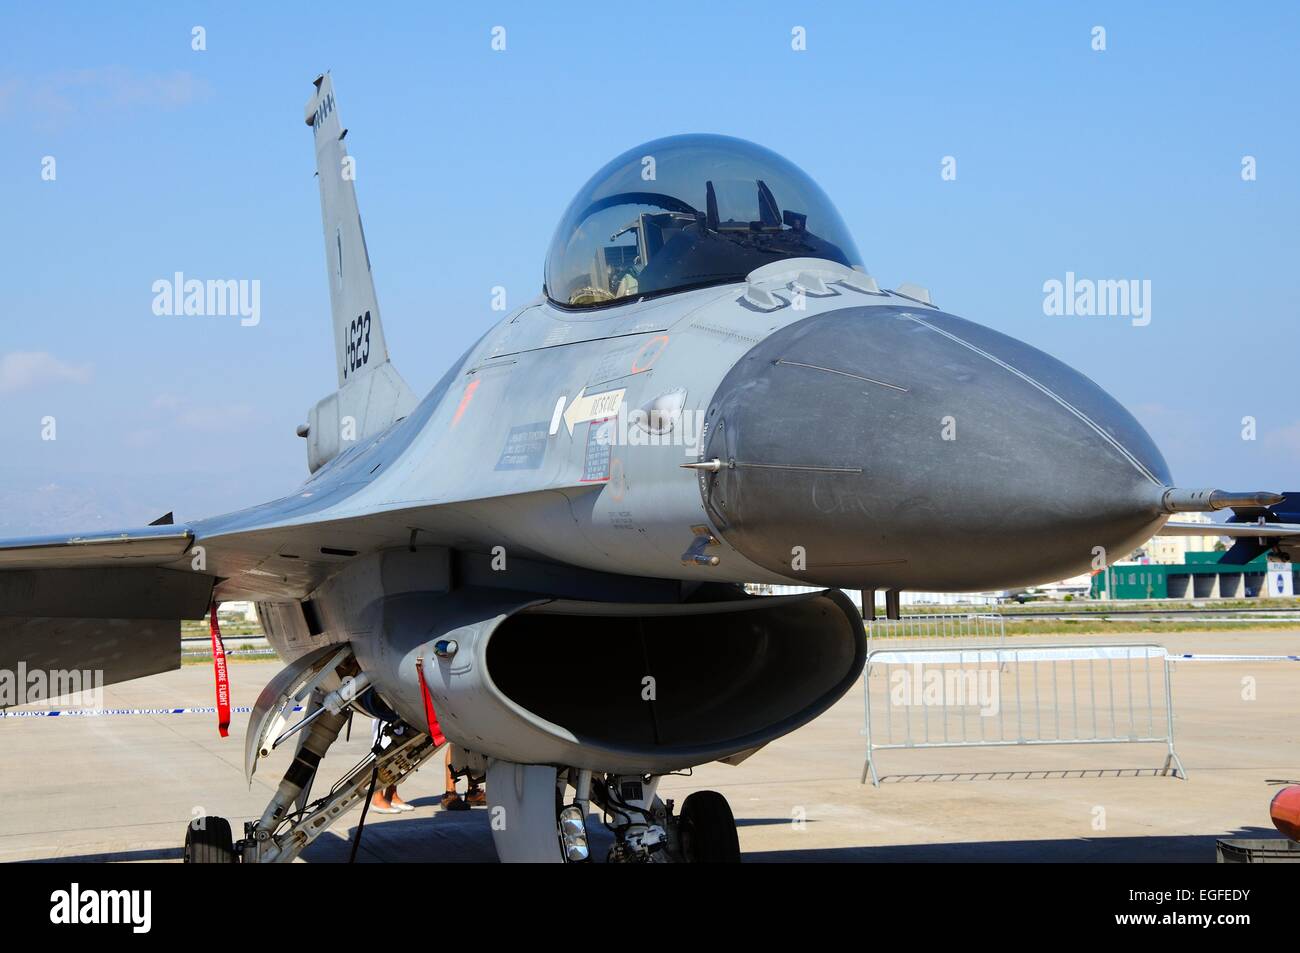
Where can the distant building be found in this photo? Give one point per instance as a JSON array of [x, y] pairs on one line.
[[1201, 576], [1173, 550]]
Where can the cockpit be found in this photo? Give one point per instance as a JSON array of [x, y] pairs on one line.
[[687, 212]]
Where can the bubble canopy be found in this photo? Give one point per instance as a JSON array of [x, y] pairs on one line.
[[688, 212]]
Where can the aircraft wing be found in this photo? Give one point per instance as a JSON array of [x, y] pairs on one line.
[[112, 601], [94, 608], [150, 545], [1236, 530], [1255, 530]]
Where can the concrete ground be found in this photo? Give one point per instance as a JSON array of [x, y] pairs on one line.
[[123, 788]]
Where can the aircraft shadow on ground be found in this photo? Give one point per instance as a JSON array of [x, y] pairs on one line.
[[446, 836], [153, 855], [466, 837], [463, 837], [1189, 848]]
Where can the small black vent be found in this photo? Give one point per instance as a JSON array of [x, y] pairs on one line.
[[312, 618]]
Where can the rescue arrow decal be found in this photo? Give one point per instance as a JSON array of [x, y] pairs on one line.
[[593, 407]]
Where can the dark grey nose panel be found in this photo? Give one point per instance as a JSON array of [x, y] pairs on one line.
[[893, 447]]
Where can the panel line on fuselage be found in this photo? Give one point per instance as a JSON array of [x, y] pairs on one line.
[[1119, 447]]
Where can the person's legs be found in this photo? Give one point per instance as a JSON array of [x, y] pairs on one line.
[[475, 796], [451, 799], [386, 800], [391, 793], [382, 803]]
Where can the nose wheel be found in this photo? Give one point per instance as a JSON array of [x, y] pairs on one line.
[[706, 830], [208, 841]]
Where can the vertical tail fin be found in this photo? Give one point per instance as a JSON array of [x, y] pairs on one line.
[[358, 332], [371, 395]]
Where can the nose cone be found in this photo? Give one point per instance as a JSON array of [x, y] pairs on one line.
[[911, 448]]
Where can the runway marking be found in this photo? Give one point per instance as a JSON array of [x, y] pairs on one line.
[[115, 712]]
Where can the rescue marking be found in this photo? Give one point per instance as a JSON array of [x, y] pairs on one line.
[[587, 407]]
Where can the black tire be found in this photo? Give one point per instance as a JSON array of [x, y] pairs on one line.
[[210, 843], [706, 830]]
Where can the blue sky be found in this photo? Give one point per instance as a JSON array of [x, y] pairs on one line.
[[1122, 164]]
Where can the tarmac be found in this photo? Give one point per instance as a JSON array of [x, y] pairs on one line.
[[123, 788]]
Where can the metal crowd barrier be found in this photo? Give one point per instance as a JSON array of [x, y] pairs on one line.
[[1001, 697], [970, 628]]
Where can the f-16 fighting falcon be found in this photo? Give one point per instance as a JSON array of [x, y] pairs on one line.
[[542, 562]]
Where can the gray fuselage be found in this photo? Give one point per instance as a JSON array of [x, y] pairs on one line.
[[864, 440]]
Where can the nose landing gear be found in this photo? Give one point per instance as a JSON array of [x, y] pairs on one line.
[[208, 841], [280, 836], [647, 831], [706, 830], [326, 684]]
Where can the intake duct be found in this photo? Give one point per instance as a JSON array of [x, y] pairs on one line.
[[635, 687]]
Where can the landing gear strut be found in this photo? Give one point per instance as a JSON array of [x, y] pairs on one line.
[[279, 836], [327, 685]]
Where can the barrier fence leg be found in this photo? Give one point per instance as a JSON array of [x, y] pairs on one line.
[[869, 767], [1172, 758], [1172, 761]]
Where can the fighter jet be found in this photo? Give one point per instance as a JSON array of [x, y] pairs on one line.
[[543, 562]]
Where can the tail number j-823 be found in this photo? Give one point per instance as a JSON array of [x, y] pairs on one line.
[[358, 345]]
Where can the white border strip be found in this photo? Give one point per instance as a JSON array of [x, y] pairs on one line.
[[116, 712]]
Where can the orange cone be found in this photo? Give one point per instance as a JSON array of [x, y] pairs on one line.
[[1285, 811]]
